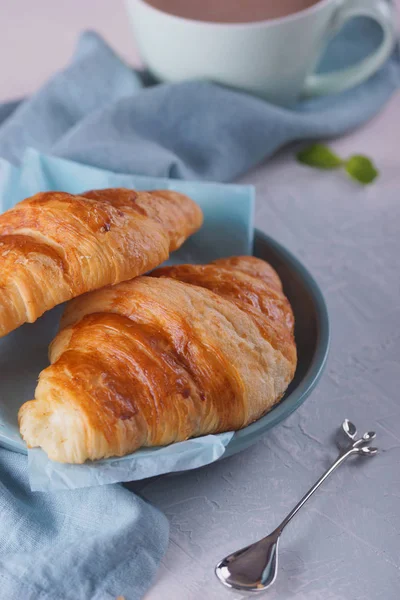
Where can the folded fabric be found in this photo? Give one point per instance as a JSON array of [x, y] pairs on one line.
[[97, 543], [96, 111]]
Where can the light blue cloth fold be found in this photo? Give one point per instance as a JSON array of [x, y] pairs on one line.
[[96, 112], [103, 542], [92, 544]]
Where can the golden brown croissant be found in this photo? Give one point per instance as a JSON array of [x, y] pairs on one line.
[[55, 246], [188, 351]]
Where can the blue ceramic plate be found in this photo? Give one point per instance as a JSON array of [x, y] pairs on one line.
[[312, 337]]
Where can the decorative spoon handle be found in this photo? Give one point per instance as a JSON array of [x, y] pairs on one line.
[[254, 568], [360, 446], [340, 459]]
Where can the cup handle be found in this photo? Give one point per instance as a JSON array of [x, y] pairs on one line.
[[380, 11]]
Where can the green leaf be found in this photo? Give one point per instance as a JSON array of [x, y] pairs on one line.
[[361, 169], [319, 156]]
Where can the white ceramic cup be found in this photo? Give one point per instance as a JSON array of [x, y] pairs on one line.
[[273, 59]]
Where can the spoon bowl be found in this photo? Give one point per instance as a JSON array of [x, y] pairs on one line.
[[253, 568]]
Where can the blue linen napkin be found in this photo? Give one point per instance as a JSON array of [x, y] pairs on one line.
[[96, 111], [92, 544], [104, 542]]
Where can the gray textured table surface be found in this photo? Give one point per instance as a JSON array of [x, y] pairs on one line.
[[345, 544]]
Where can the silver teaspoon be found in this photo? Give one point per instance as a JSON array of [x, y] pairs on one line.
[[254, 568]]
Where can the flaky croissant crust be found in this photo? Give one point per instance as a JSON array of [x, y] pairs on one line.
[[55, 246], [190, 350]]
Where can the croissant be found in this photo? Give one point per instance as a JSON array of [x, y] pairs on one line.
[[188, 351], [55, 246]]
